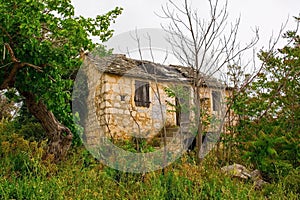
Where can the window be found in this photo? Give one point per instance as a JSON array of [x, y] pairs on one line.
[[216, 96], [141, 96]]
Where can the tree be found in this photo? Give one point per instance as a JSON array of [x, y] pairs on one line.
[[204, 45], [42, 43], [269, 125]]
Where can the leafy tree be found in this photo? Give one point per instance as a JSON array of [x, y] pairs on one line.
[[43, 43], [269, 110]]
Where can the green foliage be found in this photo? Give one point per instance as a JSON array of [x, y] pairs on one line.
[[269, 113], [25, 174], [47, 34], [23, 158], [292, 181], [135, 145], [182, 95], [275, 152], [101, 51], [7, 128], [25, 125], [32, 131]]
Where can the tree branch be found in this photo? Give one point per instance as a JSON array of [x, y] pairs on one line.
[[11, 52], [9, 81]]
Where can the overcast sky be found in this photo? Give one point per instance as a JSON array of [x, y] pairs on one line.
[[268, 15]]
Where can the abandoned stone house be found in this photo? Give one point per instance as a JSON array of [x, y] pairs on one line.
[[128, 97]]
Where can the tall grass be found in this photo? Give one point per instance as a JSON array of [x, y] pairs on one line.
[[26, 173]]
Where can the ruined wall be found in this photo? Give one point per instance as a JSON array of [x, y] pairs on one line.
[[113, 113], [92, 129], [119, 115]]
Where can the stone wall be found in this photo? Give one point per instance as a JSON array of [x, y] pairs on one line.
[[92, 129], [120, 116], [112, 111]]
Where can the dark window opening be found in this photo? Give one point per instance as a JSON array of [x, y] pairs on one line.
[[216, 96], [182, 102], [122, 97], [141, 96]]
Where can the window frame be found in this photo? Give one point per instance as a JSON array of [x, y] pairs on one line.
[[216, 96], [142, 93]]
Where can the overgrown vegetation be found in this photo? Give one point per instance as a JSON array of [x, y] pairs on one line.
[[27, 174], [264, 137], [269, 113]]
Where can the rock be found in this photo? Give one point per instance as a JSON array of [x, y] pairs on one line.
[[255, 175], [258, 184], [237, 170], [240, 171]]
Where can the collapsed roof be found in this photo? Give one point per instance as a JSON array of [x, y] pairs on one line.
[[119, 64]]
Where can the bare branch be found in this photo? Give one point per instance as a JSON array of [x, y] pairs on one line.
[[37, 68], [150, 46], [204, 45]]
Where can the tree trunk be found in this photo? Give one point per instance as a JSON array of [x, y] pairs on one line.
[[199, 124], [59, 136]]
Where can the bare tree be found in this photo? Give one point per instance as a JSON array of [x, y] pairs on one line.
[[154, 89], [204, 45]]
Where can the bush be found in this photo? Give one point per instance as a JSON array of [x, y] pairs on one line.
[[32, 131], [21, 157]]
